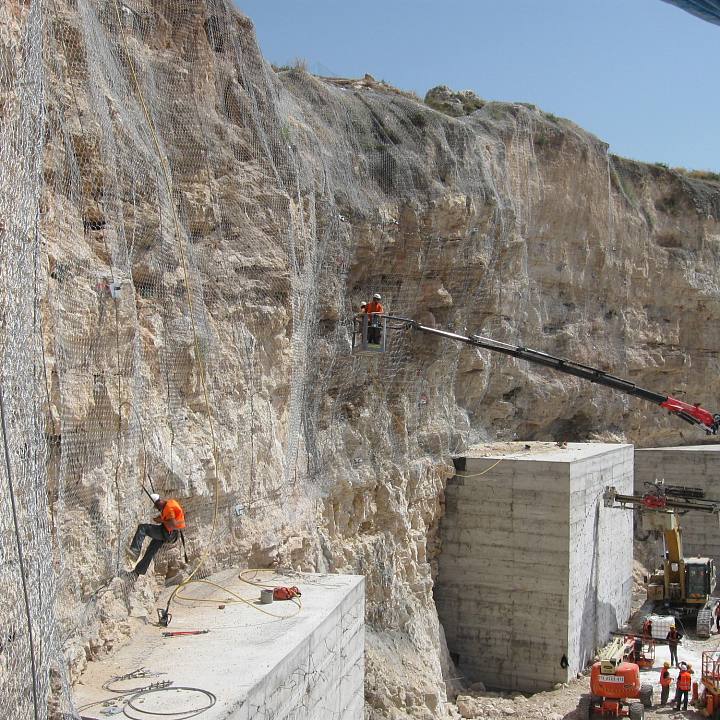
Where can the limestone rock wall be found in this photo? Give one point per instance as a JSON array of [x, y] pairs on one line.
[[206, 226]]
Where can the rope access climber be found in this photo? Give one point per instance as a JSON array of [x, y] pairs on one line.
[[166, 528]]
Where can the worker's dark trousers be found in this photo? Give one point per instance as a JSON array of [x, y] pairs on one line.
[[159, 535], [673, 654], [374, 334], [717, 623], [681, 698], [664, 694]]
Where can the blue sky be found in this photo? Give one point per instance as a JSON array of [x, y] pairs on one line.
[[640, 74]]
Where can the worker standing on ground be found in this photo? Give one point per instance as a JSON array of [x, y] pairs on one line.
[[684, 682], [171, 522], [673, 638], [717, 616], [647, 630], [665, 683], [374, 309]]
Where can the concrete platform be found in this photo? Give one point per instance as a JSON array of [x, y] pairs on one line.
[[534, 572], [309, 667]]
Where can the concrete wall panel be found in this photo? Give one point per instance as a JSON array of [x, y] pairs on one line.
[[533, 568]]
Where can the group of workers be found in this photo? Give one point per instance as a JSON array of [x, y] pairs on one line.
[[683, 683]]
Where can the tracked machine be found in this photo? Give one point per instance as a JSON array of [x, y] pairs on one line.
[[683, 585]]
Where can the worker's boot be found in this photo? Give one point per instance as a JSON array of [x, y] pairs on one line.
[[133, 553]]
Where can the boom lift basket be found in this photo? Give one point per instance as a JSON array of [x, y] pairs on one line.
[[369, 334]]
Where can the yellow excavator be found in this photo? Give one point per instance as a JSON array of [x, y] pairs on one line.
[[683, 585]]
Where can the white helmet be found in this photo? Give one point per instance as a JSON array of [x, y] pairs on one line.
[[377, 296], [154, 497]]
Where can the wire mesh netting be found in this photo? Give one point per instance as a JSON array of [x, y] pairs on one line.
[[185, 237]]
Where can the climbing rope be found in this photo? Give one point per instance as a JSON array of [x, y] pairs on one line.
[[486, 470], [514, 456], [239, 598], [186, 275]]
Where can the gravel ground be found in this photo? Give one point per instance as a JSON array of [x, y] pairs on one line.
[[561, 704]]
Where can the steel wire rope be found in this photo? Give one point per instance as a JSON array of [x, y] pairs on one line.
[[21, 557], [134, 675], [145, 473], [180, 714], [103, 701], [178, 594], [217, 214], [201, 364], [186, 274]]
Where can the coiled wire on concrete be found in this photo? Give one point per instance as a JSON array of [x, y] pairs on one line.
[[178, 715]]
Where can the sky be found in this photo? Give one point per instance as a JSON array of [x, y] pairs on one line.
[[639, 74]]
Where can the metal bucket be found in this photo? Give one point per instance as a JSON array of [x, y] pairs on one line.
[[266, 597]]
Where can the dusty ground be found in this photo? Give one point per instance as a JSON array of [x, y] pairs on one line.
[[561, 704]]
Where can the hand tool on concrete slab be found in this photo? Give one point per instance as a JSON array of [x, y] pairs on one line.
[[179, 633]]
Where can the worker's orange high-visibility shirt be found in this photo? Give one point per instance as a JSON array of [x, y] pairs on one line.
[[172, 511], [666, 678], [374, 307], [684, 680]]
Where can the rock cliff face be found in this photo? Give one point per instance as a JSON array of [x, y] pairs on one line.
[[207, 228]]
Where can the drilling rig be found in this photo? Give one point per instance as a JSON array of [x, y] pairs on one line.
[[682, 586]]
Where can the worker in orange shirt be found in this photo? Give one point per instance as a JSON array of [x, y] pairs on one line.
[[665, 683], [171, 521], [684, 683], [374, 309]]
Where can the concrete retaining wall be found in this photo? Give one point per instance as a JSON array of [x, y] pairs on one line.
[[322, 678], [601, 553], [290, 665], [525, 543]]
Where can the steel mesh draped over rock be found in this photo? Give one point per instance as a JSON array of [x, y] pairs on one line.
[[184, 236]]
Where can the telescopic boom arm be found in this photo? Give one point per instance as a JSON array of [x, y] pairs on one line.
[[693, 414]]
